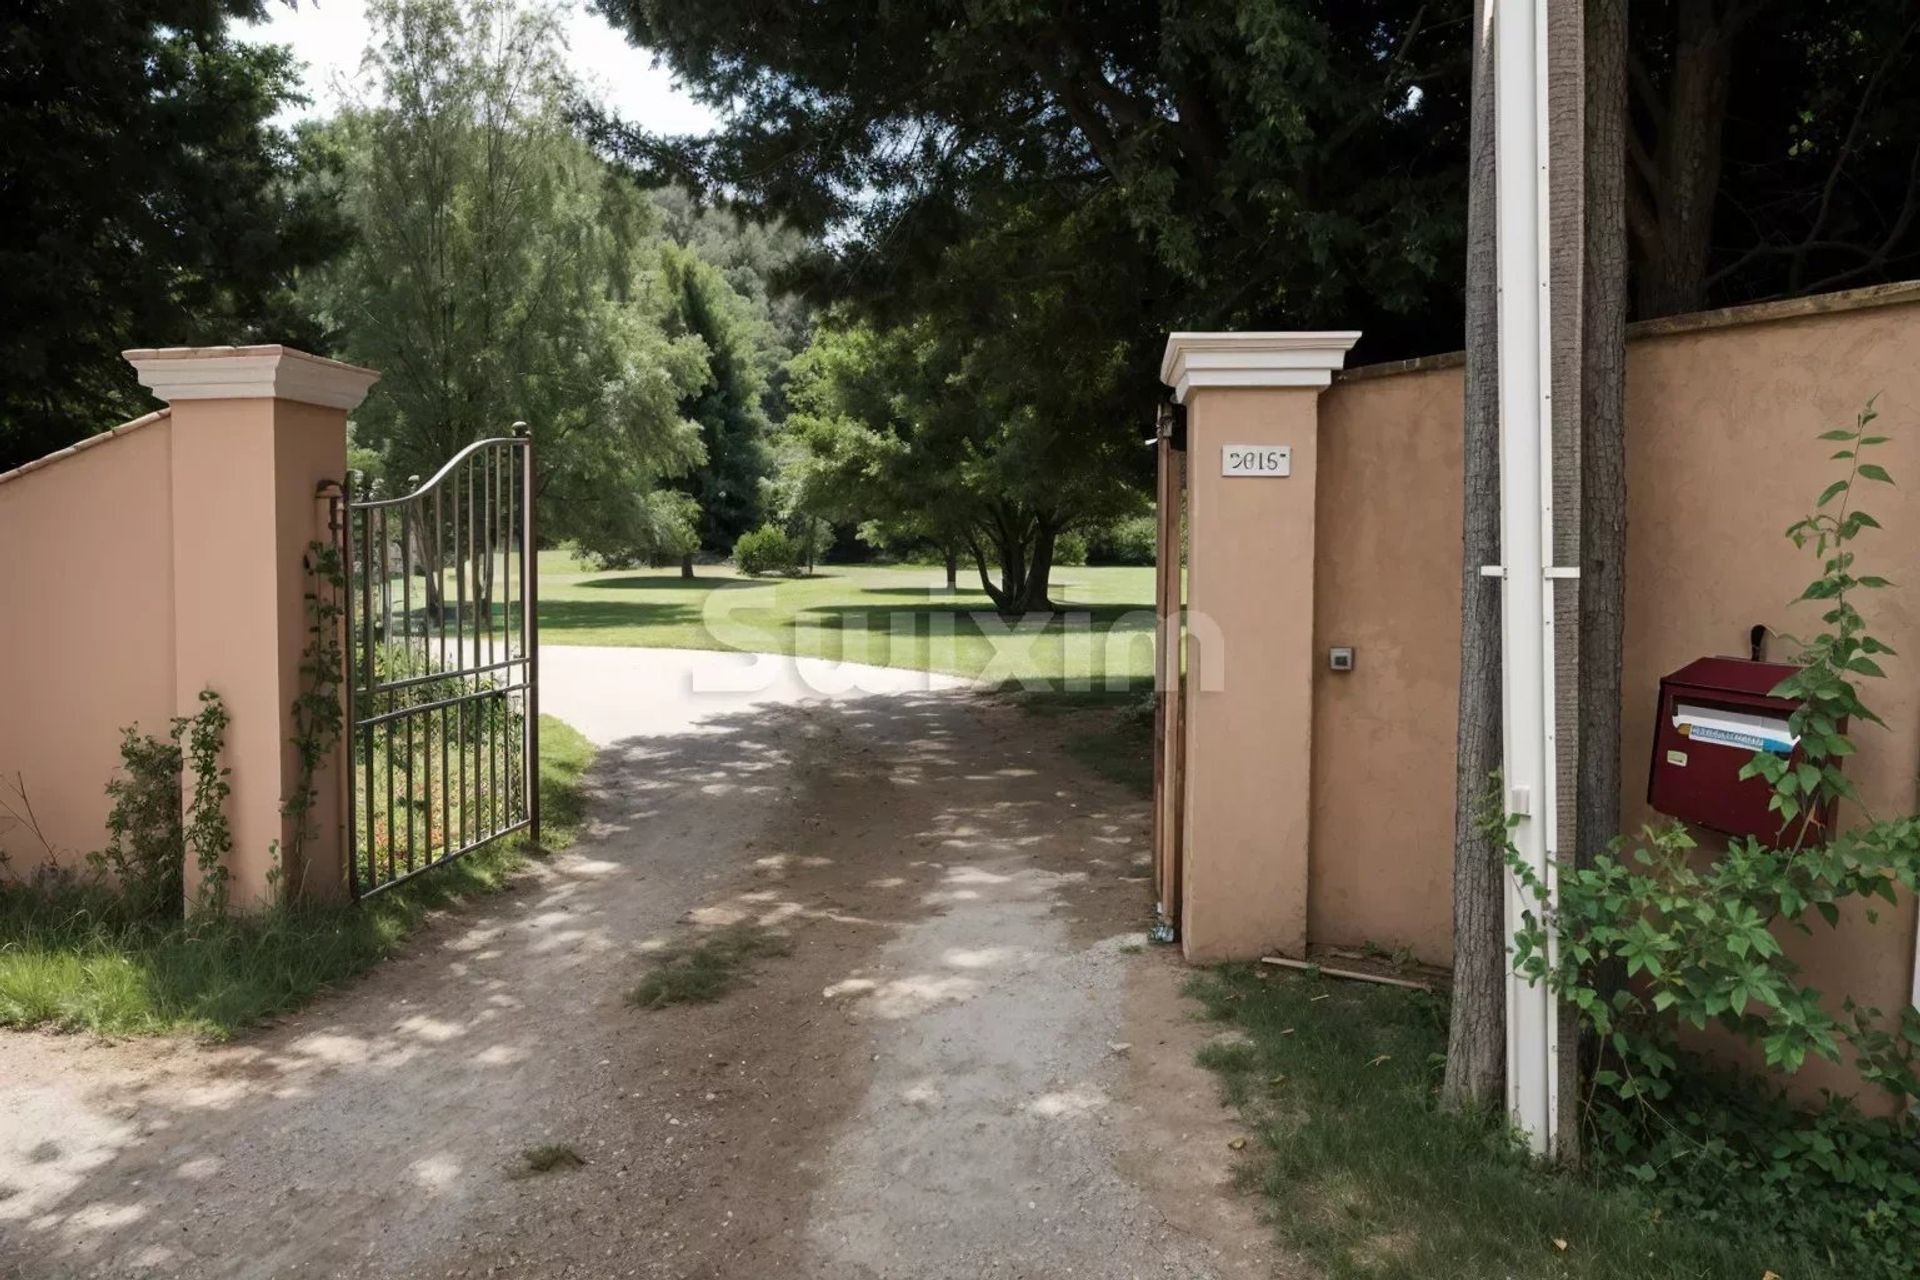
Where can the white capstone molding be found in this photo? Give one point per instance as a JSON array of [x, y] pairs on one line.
[[250, 373], [1275, 359]]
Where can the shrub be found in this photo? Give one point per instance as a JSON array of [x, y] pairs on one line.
[[145, 855], [1696, 943], [1130, 541], [1070, 548], [768, 549], [150, 830]]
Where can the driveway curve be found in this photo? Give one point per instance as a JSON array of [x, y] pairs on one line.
[[965, 1066]]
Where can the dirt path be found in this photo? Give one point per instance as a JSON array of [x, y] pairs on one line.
[[950, 1075]]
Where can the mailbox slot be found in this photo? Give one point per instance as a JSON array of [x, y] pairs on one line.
[[1713, 715]]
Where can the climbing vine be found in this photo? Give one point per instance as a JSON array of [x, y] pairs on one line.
[[317, 717], [206, 834]]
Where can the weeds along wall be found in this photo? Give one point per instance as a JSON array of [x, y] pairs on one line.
[[1722, 413]]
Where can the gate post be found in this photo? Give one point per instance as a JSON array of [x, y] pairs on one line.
[[1252, 402], [255, 431]]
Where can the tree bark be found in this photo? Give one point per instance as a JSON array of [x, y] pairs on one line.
[[686, 565], [1476, 1036], [1603, 439], [1566, 139], [1673, 225]]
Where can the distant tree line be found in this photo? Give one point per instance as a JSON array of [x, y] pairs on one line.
[[987, 251]]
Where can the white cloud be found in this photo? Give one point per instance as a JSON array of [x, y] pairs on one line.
[[328, 36]]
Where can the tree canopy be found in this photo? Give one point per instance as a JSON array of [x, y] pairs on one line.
[[501, 272], [1266, 157], [147, 201]]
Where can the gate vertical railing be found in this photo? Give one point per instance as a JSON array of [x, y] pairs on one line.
[[443, 683]]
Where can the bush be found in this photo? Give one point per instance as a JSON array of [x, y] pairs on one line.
[[145, 856], [1070, 548], [1130, 541], [768, 549], [153, 823]]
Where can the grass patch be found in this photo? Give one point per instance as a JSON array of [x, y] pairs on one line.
[[552, 1156], [886, 615], [69, 960], [1366, 1176], [704, 970]]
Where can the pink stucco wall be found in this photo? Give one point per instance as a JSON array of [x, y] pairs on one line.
[[86, 631], [1387, 583], [158, 560], [1722, 413], [1248, 706]]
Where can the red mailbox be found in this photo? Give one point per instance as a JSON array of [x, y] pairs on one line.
[[1714, 714]]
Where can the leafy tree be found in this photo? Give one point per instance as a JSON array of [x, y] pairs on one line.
[[1274, 157], [756, 259], [503, 273], [147, 201], [933, 433], [1029, 218], [788, 495], [730, 406]]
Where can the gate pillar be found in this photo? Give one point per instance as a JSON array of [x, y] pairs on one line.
[[1252, 403], [255, 431]]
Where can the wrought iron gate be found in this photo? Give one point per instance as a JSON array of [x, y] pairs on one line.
[[443, 685]]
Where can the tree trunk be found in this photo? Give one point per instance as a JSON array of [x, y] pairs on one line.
[[1566, 140], [953, 569], [1024, 570], [1476, 1036], [426, 558], [686, 565], [1673, 224], [1603, 439]]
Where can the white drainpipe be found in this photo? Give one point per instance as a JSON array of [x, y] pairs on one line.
[[1526, 524]]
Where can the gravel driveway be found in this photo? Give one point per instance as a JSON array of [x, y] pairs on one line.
[[966, 1066]]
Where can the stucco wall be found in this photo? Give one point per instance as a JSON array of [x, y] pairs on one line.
[[1722, 415], [1387, 583], [1248, 706], [86, 631]]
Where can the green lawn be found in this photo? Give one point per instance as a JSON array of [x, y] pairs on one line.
[[896, 615]]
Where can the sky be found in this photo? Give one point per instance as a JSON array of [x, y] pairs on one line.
[[329, 35]]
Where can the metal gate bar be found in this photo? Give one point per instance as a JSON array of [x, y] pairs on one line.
[[453, 676]]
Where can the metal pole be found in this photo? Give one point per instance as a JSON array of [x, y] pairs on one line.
[[1526, 519], [530, 628]]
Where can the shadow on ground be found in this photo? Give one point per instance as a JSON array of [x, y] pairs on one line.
[[378, 1132]]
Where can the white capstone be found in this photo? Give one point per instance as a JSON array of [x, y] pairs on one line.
[[244, 373], [1274, 359]]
